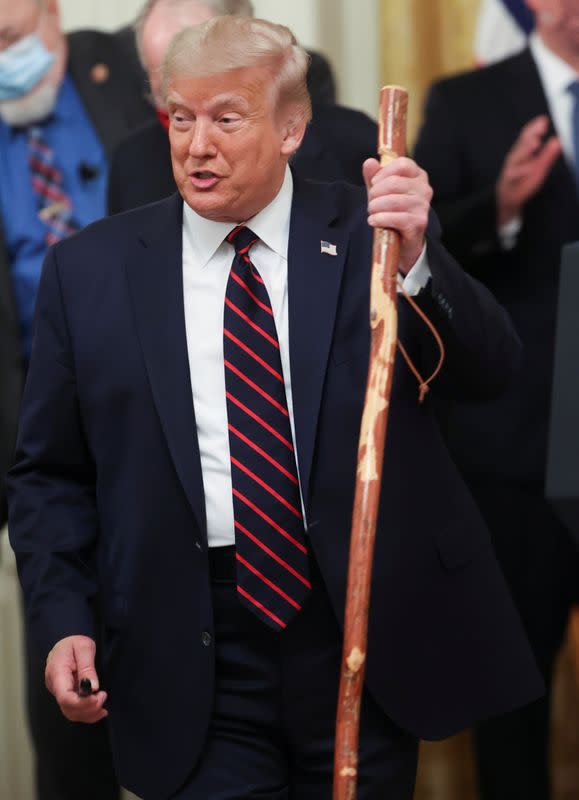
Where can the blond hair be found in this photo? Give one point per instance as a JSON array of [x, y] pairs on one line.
[[237, 7], [227, 43]]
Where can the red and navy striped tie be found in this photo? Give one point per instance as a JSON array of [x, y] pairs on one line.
[[272, 557], [54, 205]]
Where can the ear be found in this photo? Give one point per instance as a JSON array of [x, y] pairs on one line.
[[293, 131]]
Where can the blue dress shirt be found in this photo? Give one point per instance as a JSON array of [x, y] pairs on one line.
[[70, 134]]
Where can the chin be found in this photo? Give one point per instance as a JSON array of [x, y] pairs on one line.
[[33, 107], [213, 208]]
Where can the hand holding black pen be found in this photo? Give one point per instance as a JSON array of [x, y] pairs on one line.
[[71, 677]]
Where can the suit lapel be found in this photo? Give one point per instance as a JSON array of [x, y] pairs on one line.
[[156, 287], [529, 100], [314, 280]]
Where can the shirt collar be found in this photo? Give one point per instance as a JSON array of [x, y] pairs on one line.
[[271, 225], [556, 74]]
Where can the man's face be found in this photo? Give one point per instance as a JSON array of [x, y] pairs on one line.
[[558, 23], [163, 23], [19, 18], [229, 145]]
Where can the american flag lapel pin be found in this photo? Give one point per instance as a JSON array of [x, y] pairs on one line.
[[328, 248]]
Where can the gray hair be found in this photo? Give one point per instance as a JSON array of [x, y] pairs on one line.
[[223, 44], [241, 8]]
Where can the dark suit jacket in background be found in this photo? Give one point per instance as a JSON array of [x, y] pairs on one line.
[[115, 107], [337, 142], [471, 122], [107, 494]]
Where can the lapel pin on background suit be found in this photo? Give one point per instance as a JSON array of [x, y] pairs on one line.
[[328, 248], [99, 73]]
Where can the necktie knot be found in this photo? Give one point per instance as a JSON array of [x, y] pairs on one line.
[[242, 239]]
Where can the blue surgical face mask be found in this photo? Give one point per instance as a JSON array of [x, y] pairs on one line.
[[22, 66]]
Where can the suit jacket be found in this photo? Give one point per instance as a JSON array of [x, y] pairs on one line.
[[114, 106], [337, 142], [471, 121], [106, 495]]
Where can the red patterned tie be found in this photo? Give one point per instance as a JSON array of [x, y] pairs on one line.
[[54, 205], [272, 556]]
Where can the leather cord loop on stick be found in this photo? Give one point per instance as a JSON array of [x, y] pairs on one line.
[[423, 385]]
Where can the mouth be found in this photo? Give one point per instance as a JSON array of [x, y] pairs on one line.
[[204, 179]]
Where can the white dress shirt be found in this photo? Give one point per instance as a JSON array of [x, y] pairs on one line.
[[207, 261], [556, 76]]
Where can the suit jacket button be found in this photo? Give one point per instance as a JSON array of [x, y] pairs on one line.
[[206, 638]]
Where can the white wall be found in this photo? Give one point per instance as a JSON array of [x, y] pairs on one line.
[[346, 31], [102, 14]]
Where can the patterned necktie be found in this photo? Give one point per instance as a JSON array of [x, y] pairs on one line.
[[272, 558], [54, 205]]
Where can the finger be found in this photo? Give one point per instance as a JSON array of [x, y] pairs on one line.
[[538, 124], [402, 201], [529, 140], [549, 154], [410, 226], [536, 168], [400, 184], [84, 653], [401, 166], [82, 709], [369, 168], [415, 189], [60, 676]]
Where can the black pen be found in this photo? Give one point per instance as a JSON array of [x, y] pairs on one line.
[[85, 688]]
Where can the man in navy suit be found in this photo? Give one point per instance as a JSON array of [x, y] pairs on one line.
[[500, 146], [187, 455]]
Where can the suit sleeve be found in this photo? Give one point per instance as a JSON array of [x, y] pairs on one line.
[[51, 486], [115, 182], [482, 349], [466, 209]]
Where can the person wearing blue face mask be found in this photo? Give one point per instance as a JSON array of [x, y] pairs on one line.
[[22, 66], [65, 103]]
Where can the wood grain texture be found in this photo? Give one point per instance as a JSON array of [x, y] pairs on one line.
[[383, 327]]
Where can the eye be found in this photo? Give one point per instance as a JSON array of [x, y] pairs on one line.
[[229, 120], [179, 119]]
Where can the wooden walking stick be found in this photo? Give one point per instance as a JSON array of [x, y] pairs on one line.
[[383, 323]]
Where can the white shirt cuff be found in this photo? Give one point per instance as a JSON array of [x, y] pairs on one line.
[[417, 277], [509, 232]]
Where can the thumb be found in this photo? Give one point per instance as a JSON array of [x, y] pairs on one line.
[[369, 169], [84, 656]]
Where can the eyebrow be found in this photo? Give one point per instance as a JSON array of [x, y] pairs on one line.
[[217, 102]]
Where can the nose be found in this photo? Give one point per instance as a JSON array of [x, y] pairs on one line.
[[202, 144]]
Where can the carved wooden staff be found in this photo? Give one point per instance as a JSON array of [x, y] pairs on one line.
[[383, 323]]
